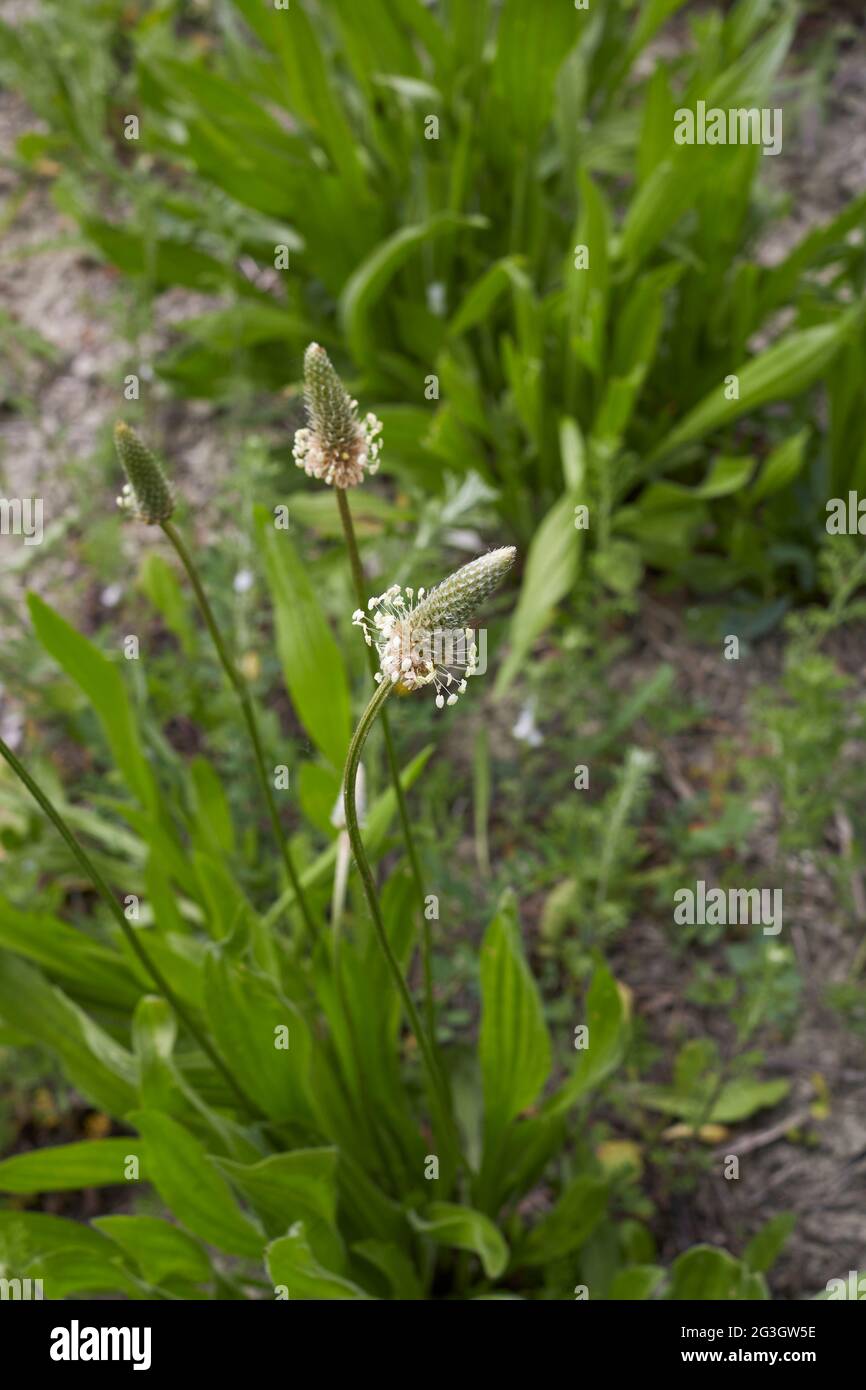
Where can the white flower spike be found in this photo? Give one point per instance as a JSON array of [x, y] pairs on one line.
[[424, 640], [336, 446]]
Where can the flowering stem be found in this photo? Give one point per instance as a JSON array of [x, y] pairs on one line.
[[248, 710], [438, 1084], [411, 847], [111, 902]]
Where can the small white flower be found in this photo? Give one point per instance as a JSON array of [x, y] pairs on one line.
[[526, 729], [111, 595]]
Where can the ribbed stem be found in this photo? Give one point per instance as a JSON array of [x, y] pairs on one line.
[[439, 1088], [248, 710], [111, 902], [411, 847]]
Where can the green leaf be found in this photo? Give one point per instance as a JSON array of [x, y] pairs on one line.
[[726, 476], [668, 192], [366, 286], [744, 19], [657, 119], [214, 829], [703, 1274], [247, 1019], [165, 1088], [161, 1251], [781, 468], [163, 588], [822, 244], [26, 1235], [94, 972], [191, 1187], [572, 451], [582, 1206], [740, 1099], [653, 14], [311, 91], [245, 324], [163, 260], [319, 793], [396, 1266], [67, 1255], [225, 904], [312, 665], [532, 42], [764, 1249], [103, 685], [464, 1229], [293, 1266], [368, 1039], [291, 1187], [65, 1272], [65, 1167], [551, 571], [101, 1069], [483, 295], [636, 1284], [785, 370], [736, 1101], [513, 1046], [608, 1031]]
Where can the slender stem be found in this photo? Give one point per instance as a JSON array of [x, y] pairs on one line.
[[248, 710], [110, 900], [411, 847], [439, 1087]]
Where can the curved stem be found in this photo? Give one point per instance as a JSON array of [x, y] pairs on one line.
[[110, 900], [439, 1088], [248, 710], [393, 766]]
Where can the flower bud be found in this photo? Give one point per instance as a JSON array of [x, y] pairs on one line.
[[148, 495]]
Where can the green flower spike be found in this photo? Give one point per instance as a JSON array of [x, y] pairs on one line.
[[148, 495]]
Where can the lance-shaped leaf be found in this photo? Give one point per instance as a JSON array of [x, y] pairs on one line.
[[514, 1045]]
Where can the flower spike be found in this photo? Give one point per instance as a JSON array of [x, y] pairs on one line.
[[422, 639], [336, 446]]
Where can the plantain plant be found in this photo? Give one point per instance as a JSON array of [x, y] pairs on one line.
[[267, 1068]]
